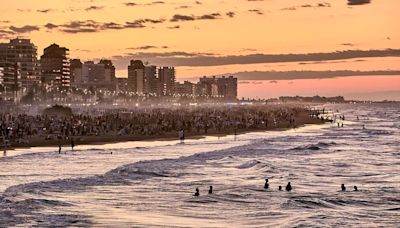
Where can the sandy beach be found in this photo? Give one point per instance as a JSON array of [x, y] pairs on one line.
[[301, 119]]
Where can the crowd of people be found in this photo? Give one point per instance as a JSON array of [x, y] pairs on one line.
[[150, 121]]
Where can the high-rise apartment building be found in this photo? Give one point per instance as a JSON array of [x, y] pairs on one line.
[[166, 76], [136, 78], [76, 72], [109, 75], [185, 89], [55, 67], [23, 55], [93, 75], [20, 67], [151, 83], [223, 87]]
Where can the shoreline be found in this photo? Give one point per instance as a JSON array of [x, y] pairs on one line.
[[107, 139]]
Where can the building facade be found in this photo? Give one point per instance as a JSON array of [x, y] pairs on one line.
[[23, 54], [185, 89], [109, 72], [166, 77], [93, 75], [21, 69], [76, 72], [55, 67], [136, 78], [217, 87]]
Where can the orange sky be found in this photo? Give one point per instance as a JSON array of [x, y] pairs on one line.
[[94, 29]]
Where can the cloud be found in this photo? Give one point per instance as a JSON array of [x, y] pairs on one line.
[[130, 4], [145, 4], [183, 7], [209, 16], [90, 26], [24, 29], [147, 47], [45, 10], [318, 5], [179, 17], [94, 8], [50, 26], [348, 44], [275, 76], [358, 2], [230, 14], [256, 11], [174, 27], [6, 34], [210, 59]]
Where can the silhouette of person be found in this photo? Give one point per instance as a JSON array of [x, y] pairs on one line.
[[59, 148], [280, 188], [343, 188], [210, 191], [355, 189], [72, 144], [266, 185], [197, 193], [182, 135], [288, 187]]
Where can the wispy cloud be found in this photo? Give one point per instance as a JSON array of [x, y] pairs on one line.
[[318, 5], [275, 76], [210, 59], [24, 29], [358, 2]]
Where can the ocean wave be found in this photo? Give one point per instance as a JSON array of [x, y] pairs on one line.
[[249, 164], [316, 146]]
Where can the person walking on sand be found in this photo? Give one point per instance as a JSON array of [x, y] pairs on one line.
[[182, 135], [72, 144], [59, 148]]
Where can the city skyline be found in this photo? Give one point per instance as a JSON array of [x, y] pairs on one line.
[[205, 38]]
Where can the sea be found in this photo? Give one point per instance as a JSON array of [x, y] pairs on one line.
[[151, 184]]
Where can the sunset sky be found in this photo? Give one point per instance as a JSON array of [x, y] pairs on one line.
[[208, 37]]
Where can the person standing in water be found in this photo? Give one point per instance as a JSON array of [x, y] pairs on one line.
[[210, 191], [343, 188], [59, 148], [197, 193], [266, 185], [289, 187]]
